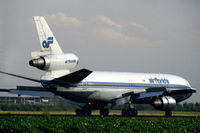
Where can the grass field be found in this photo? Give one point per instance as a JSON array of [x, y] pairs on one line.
[[62, 124], [50, 124]]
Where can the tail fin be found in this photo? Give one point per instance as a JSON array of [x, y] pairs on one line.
[[48, 41]]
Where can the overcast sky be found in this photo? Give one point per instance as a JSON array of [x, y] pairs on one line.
[[155, 36]]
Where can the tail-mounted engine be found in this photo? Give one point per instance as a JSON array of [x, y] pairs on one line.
[[165, 103], [55, 62]]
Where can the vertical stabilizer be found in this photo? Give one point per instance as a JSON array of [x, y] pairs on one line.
[[51, 58], [48, 41]]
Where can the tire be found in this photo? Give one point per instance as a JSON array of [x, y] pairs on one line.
[[83, 112], [133, 112], [124, 112], [129, 112], [104, 112], [168, 113], [87, 111], [78, 112]]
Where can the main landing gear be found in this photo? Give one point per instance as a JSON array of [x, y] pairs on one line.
[[130, 111], [168, 113], [87, 110], [83, 112], [104, 112]]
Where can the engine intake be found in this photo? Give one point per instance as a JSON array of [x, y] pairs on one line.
[[165, 103], [55, 62]]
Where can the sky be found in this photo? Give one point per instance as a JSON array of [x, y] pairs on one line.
[[153, 36]]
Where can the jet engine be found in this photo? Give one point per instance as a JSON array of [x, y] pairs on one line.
[[55, 62], [165, 103]]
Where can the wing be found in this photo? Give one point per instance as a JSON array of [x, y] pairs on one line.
[[22, 77], [29, 91], [35, 91], [158, 91], [146, 95], [67, 80]]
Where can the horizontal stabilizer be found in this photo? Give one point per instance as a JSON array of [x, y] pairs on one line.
[[72, 78]]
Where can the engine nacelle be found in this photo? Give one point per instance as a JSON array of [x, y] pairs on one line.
[[55, 62], [165, 103]]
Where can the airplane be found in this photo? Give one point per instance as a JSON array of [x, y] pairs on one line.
[[96, 90]]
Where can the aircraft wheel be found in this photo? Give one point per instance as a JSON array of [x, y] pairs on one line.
[[104, 112], [129, 112], [83, 112], [168, 113], [124, 112], [87, 112], [78, 112], [133, 112]]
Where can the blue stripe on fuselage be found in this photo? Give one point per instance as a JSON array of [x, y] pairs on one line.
[[130, 85]]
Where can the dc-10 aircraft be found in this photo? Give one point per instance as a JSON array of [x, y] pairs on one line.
[[95, 90]]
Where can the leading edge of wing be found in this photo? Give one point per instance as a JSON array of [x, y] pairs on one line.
[[19, 76]]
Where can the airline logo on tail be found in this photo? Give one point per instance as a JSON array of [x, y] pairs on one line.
[[46, 43]]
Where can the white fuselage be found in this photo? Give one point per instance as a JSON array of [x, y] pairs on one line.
[[107, 86]]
